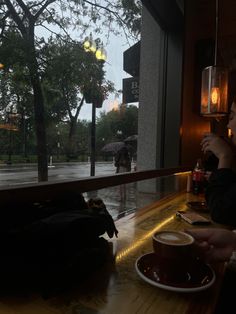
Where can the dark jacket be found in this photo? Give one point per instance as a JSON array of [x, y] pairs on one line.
[[221, 196], [122, 159]]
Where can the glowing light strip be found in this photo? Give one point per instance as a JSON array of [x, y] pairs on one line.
[[139, 242], [181, 173]]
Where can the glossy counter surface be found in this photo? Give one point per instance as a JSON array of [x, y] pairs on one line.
[[117, 288]]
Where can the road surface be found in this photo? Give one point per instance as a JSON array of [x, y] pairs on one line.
[[27, 173]]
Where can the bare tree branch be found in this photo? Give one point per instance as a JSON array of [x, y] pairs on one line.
[[79, 108], [3, 24], [107, 9], [56, 22], [25, 9], [112, 12], [43, 7], [16, 17], [36, 4]]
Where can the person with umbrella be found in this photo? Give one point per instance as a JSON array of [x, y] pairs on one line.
[[123, 164], [122, 160]]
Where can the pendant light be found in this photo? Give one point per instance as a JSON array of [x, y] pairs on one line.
[[89, 44], [101, 53], [214, 84]]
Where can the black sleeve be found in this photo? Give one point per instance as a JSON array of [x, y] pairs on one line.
[[221, 196], [117, 157]]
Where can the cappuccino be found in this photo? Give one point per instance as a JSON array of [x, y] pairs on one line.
[[173, 238], [173, 254]]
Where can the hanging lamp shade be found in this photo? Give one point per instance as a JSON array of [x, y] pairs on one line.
[[89, 44], [86, 44], [93, 46], [214, 83], [101, 54], [214, 92]]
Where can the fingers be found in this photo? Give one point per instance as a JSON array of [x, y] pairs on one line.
[[206, 142], [205, 146], [201, 235], [211, 142]]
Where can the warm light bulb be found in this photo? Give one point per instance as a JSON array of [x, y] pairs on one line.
[[93, 46], [86, 44], [104, 55], [1, 66], [99, 54], [229, 133], [215, 95]]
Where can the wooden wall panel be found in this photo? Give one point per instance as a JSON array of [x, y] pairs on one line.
[[200, 25]]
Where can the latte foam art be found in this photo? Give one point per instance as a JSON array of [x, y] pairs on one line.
[[174, 238], [171, 237]]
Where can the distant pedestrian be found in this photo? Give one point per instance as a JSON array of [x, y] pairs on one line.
[[123, 164], [122, 160]]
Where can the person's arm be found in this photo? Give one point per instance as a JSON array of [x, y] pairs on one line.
[[217, 245], [220, 147], [117, 159], [221, 196]]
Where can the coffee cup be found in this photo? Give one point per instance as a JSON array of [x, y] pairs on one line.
[[174, 255]]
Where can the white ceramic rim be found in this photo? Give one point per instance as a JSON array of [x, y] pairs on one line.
[[173, 244], [172, 288]]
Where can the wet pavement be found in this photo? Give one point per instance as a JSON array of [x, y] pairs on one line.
[[27, 173], [20, 174], [116, 203]]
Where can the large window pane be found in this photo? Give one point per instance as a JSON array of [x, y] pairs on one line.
[[58, 62]]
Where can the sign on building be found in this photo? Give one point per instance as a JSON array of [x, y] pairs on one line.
[[130, 90]]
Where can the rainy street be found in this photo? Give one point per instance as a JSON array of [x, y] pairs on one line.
[[27, 173], [20, 174]]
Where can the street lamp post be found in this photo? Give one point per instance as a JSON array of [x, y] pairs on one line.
[[100, 54], [24, 118], [93, 141], [58, 144], [11, 115]]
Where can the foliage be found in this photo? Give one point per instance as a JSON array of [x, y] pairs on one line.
[[80, 15], [69, 73], [21, 19], [124, 120]]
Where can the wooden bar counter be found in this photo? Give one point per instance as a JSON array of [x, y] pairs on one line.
[[117, 288]]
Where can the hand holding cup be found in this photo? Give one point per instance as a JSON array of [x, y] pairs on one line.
[[219, 147]]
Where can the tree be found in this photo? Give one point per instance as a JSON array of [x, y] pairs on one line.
[[125, 120], [72, 74], [26, 16], [15, 87]]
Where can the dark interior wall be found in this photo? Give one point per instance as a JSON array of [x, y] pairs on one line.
[[198, 52], [193, 125], [173, 99]]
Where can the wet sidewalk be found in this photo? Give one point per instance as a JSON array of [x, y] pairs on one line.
[[136, 198], [117, 205]]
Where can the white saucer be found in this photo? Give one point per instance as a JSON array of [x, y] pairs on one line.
[[202, 279]]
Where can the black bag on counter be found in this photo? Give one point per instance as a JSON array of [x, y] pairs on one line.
[[49, 245]]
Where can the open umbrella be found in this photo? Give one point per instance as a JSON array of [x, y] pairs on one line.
[[113, 147], [131, 138]]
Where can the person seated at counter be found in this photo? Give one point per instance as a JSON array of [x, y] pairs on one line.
[[219, 245], [221, 189]]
